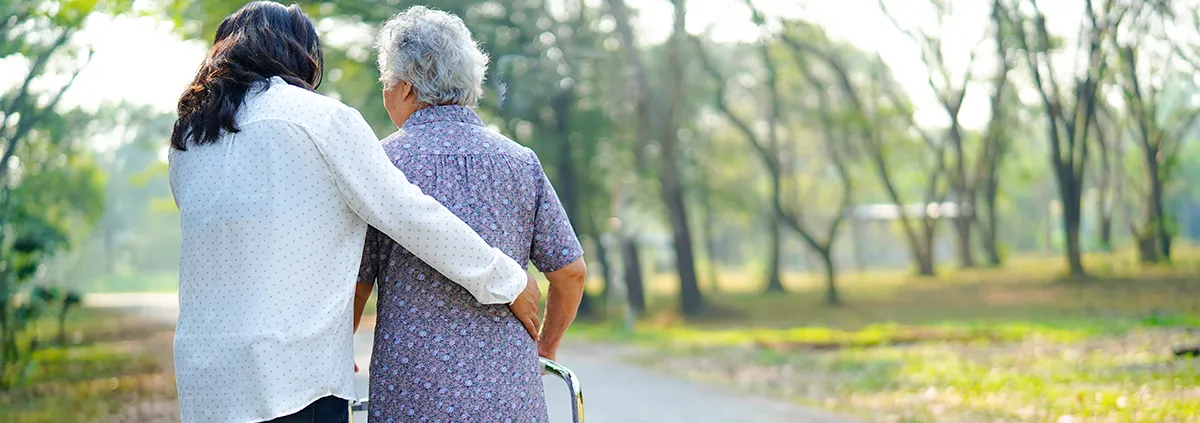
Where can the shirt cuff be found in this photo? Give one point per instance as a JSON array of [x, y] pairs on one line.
[[508, 280]]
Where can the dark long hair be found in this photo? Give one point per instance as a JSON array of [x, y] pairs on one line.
[[261, 40]]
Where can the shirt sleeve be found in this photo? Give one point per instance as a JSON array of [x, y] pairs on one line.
[[380, 193], [375, 255], [554, 242]]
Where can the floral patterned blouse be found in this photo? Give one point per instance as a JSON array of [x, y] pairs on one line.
[[439, 354]]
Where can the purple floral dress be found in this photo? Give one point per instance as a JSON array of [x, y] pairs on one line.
[[440, 356]]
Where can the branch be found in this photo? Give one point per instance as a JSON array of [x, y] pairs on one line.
[[25, 125], [991, 139], [831, 146], [35, 70], [722, 104], [637, 75], [1049, 98], [866, 129]]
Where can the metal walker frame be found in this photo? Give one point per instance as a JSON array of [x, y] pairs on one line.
[[549, 366]]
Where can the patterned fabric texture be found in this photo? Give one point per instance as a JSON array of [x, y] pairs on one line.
[[440, 355]]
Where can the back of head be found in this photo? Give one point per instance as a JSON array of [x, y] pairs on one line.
[[432, 50], [261, 40]]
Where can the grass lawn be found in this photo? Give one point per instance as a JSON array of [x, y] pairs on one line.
[[111, 370], [1015, 344]]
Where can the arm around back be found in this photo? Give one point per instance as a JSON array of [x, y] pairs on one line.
[[381, 195]]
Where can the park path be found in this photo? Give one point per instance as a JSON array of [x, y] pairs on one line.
[[614, 392]]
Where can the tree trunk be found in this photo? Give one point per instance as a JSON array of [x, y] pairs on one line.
[[568, 191], [990, 191], [924, 258], [926, 251], [633, 275], [831, 292], [691, 300], [587, 305], [1160, 215], [586, 308], [1106, 223], [991, 242], [962, 225], [1070, 194], [1074, 253], [1164, 234], [606, 269], [1150, 242], [710, 242], [567, 187], [62, 327], [963, 196], [1104, 207], [774, 251], [1104, 188]]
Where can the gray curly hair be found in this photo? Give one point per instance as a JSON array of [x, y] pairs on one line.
[[432, 50]]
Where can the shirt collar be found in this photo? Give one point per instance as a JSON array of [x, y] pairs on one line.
[[451, 113]]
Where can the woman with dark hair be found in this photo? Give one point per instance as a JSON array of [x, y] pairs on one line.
[[276, 186]]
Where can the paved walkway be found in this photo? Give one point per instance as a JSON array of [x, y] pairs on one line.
[[614, 392]]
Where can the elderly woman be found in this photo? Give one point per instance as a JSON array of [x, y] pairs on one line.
[[439, 354]]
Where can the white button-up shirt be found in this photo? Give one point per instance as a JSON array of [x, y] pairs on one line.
[[273, 221]]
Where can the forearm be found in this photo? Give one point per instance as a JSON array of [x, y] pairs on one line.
[[439, 238], [562, 304], [362, 292]]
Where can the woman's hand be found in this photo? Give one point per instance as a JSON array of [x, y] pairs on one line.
[[525, 307]]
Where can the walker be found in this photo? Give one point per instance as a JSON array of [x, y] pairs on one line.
[[550, 366]]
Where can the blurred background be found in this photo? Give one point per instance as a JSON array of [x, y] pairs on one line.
[[879, 210]]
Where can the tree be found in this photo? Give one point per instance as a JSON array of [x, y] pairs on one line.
[[57, 189], [950, 94], [45, 39], [691, 299], [871, 121], [1162, 117], [47, 186], [1069, 110], [1108, 132], [566, 114], [995, 144], [769, 149]]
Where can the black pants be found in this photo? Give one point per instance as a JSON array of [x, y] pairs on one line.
[[325, 410]]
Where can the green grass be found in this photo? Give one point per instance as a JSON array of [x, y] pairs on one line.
[[1013, 344], [104, 373]]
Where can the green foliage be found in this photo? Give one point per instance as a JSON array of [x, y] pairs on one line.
[[137, 234], [48, 199], [95, 377], [1013, 345], [49, 188]]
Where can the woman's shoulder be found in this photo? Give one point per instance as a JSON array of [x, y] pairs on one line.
[[452, 140], [279, 100]]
